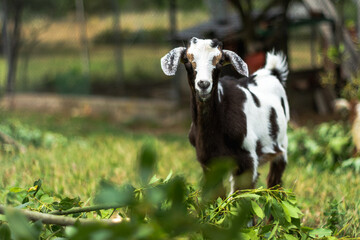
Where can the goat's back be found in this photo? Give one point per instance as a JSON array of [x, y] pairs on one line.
[[262, 100]]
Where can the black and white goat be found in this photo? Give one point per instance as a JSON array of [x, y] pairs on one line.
[[244, 119]]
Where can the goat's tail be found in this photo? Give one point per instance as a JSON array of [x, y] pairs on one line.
[[276, 63]]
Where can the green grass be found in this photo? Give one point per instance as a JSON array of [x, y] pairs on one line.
[[97, 149], [94, 150]]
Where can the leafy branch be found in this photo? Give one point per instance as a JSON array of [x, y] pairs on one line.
[[47, 218]]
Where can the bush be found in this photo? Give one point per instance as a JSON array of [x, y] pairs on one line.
[[328, 146], [28, 136]]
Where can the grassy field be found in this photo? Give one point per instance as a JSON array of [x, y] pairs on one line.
[[48, 66], [75, 154]]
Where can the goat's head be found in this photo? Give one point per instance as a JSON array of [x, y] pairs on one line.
[[203, 60]]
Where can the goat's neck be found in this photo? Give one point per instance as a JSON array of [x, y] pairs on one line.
[[206, 118]]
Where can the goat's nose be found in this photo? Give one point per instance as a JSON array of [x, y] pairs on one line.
[[203, 84]]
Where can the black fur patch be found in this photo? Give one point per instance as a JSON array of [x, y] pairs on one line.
[[274, 127], [171, 61], [259, 147], [191, 136], [256, 99], [244, 82], [276, 148], [283, 106], [252, 80], [276, 171], [277, 74], [243, 162], [215, 43]]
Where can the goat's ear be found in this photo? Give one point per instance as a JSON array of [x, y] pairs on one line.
[[170, 62], [239, 64]]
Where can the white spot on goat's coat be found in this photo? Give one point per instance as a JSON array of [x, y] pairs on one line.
[[203, 54], [220, 91], [232, 184]]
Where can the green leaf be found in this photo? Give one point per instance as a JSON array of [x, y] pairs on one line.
[[277, 211], [266, 229], [290, 210], [20, 226], [17, 189], [320, 232], [273, 232], [257, 210], [25, 200], [289, 237], [249, 234], [248, 195], [37, 184], [292, 199], [147, 162], [214, 177], [70, 231], [220, 221], [67, 203], [5, 233], [109, 194], [47, 199], [306, 229], [2, 218], [154, 179], [168, 176]]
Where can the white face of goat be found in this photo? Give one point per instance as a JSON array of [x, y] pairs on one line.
[[203, 57]]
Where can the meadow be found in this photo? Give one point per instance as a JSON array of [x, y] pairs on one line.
[[72, 156]]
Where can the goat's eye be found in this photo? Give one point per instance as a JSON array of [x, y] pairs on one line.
[[221, 62], [185, 60]]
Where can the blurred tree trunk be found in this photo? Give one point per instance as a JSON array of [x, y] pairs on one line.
[[118, 46], [177, 93], [12, 12], [80, 16], [28, 48]]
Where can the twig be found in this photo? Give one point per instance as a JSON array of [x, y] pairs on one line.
[[58, 220], [85, 209]]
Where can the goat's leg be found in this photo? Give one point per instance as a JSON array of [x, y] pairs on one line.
[[246, 174], [277, 168]]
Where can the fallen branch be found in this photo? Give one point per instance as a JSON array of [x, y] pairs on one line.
[[47, 218], [84, 209]]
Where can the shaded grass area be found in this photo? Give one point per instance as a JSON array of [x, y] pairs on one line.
[[58, 51], [55, 63], [96, 149], [52, 70]]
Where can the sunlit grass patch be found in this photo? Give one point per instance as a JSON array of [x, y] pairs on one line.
[[96, 149]]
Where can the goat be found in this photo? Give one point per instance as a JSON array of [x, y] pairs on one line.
[[244, 119]]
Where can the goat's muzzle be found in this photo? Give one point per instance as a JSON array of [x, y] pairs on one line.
[[203, 89]]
